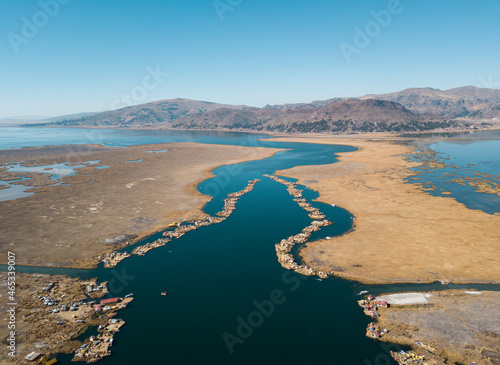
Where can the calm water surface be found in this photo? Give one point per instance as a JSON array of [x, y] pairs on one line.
[[466, 155]]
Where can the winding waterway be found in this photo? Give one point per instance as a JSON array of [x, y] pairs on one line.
[[230, 301]]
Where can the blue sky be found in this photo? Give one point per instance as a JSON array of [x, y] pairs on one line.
[[80, 56]]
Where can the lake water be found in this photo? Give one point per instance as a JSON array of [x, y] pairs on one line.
[[56, 172], [221, 278], [463, 157]]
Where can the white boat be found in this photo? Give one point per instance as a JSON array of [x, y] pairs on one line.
[[333, 205], [129, 295], [363, 292]]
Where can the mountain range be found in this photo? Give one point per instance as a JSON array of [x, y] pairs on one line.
[[415, 109]]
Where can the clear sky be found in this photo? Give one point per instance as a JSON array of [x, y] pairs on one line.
[[90, 55]]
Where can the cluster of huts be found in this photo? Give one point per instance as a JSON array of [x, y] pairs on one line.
[[97, 347], [114, 258], [141, 250]]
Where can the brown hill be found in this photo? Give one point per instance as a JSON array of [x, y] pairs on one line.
[[352, 115], [337, 116], [463, 102], [415, 109], [147, 115]]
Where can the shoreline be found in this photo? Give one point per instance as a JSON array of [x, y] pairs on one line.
[[41, 125], [190, 215], [179, 199], [352, 185], [454, 324]]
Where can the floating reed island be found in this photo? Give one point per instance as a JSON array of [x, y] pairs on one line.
[[184, 227], [232, 198], [114, 258], [283, 248], [98, 347], [285, 258], [141, 250]]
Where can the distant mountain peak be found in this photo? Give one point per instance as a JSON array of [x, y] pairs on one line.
[[461, 102], [412, 109]]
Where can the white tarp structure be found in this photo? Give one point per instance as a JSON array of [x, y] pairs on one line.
[[404, 298]]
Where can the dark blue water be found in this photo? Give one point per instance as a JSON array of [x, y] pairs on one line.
[[230, 302]]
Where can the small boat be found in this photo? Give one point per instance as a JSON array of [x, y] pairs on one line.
[[129, 295], [333, 205], [363, 292], [164, 293]]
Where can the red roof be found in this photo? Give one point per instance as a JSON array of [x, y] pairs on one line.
[[109, 301]]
